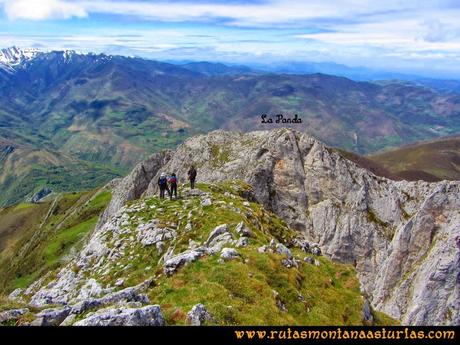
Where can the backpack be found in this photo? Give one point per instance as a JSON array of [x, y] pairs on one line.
[[173, 180], [162, 181]]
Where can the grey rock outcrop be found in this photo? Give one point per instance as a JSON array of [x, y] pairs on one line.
[[243, 230], [66, 314], [309, 260], [242, 242], [172, 264], [368, 318], [15, 295], [316, 250], [198, 316], [219, 237], [283, 250], [146, 316], [51, 317], [218, 231], [12, 315], [151, 234], [229, 254], [302, 244], [41, 194]]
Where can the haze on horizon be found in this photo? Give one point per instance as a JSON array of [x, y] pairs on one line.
[[417, 37]]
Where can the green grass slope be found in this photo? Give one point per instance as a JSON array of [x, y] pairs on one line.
[[430, 161], [36, 238], [24, 170], [242, 292]]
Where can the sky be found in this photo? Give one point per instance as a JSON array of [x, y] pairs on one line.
[[411, 36]]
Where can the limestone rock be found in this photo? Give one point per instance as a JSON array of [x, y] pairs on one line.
[[198, 316], [218, 230], [302, 244], [262, 249], [289, 263], [243, 230], [309, 260], [283, 250], [206, 202], [51, 317], [172, 264], [15, 295], [368, 318], [229, 254], [146, 316], [129, 294], [13, 314], [242, 242], [151, 234], [315, 250]]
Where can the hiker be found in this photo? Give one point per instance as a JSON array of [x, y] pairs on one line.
[[192, 176], [163, 184], [172, 185]]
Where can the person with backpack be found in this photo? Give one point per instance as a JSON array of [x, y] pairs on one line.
[[163, 184], [173, 185], [192, 176]]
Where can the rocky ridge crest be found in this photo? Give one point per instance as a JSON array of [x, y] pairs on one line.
[[402, 237]]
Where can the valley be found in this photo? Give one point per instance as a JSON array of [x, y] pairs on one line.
[[102, 113]]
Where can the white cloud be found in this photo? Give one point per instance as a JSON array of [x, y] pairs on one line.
[[43, 9], [346, 31], [415, 32], [282, 12], [274, 12]]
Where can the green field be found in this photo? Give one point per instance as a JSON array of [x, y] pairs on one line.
[[36, 238]]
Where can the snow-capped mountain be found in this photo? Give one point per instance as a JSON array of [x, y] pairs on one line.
[[13, 56]]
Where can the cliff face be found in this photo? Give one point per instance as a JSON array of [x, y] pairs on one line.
[[402, 237]]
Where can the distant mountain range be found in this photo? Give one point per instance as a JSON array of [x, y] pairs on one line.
[[295, 67], [105, 113]]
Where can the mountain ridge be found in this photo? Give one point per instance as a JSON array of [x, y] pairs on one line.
[[379, 211], [399, 236], [13, 56], [235, 273]]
